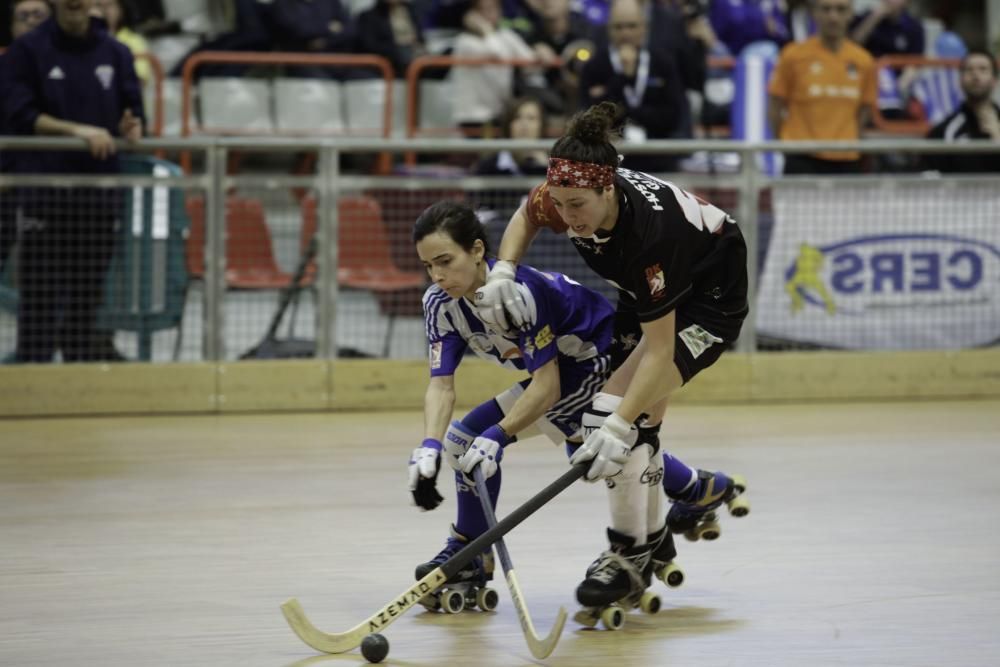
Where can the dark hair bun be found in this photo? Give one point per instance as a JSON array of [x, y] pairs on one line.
[[595, 125]]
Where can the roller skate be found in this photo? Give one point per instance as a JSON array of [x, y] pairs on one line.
[[695, 513], [662, 558], [467, 588], [616, 582]]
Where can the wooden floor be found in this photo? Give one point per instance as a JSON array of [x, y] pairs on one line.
[[874, 539]]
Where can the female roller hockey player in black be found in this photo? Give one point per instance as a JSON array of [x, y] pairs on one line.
[[679, 264]]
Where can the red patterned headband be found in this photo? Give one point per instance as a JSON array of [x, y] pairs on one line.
[[572, 174]]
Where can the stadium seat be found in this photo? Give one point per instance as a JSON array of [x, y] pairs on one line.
[[235, 104], [435, 110], [308, 105], [365, 106], [365, 260], [250, 262]]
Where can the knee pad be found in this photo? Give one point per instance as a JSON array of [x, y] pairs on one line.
[[457, 439]]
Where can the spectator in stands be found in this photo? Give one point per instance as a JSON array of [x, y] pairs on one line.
[[119, 15], [392, 30], [246, 30], [885, 30], [557, 34], [823, 89], [451, 14], [524, 118], [482, 92], [741, 22], [314, 26], [889, 29], [644, 81], [977, 119], [67, 235], [25, 15], [682, 28]]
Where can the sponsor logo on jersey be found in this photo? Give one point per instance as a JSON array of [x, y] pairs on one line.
[[697, 340], [657, 283], [435, 355], [543, 337], [874, 273], [105, 74], [645, 185]]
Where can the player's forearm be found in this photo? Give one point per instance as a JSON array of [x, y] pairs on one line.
[[516, 238], [654, 380], [439, 404], [537, 399]]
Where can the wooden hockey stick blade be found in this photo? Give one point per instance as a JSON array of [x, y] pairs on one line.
[[340, 642], [540, 648]]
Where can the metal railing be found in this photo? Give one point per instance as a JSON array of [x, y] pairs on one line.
[[329, 184]]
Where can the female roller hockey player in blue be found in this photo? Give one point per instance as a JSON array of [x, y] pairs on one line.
[[565, 351], [679, 264]]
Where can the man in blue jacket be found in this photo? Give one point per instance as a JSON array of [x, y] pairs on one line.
[[68, 77]]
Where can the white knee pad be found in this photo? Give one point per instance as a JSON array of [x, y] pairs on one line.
[[456, 441]]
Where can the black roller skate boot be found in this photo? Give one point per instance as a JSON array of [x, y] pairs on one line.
[[617, 581], [694, 513], [467, 588], [663, 555]]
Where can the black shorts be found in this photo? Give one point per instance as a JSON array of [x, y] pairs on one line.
[[706, 327]]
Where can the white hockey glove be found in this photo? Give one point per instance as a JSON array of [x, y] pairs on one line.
[[606, 447], [504, 304], [486, 451], [425, 462]]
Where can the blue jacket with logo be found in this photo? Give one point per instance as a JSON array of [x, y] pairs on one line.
[[87, 80]]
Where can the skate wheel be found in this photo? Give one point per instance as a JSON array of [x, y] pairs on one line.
[[739, 482], [671, 575], [613, 618], [739, 506], [650, 602], [710, 530], [691, 534], [452, 601], [487, 599], [586, 617]]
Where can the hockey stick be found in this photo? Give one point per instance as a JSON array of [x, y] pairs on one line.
[[539, 648], [345, 641]]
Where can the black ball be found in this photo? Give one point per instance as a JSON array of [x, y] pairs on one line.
[[375, 647]]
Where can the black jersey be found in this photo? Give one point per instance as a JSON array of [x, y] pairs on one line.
[[667, 248]]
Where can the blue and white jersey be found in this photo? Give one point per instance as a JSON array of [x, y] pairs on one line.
[[574, 322]]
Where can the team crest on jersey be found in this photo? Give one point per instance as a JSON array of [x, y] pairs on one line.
[[435, 355], [657, 283], [105, 74], [543, 337]]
